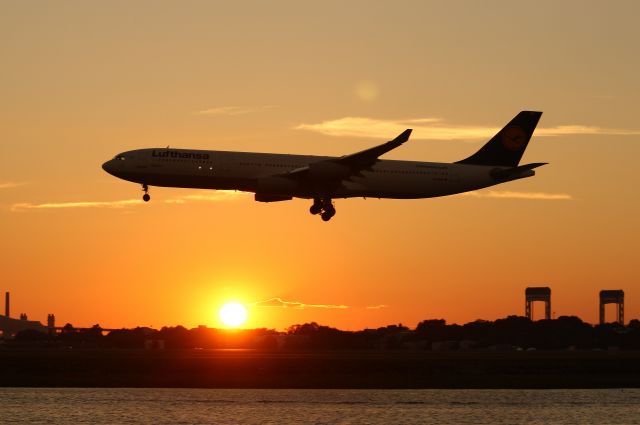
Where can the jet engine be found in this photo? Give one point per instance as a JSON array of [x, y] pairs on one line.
[[266, 197], [276, 186]]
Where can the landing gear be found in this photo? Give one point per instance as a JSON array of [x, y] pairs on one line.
[[146, 197], [324, 207], [316, 208], [328, 213]]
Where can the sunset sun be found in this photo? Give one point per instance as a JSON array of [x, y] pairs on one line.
[[233, 314]]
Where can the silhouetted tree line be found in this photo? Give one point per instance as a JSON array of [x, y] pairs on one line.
[[516, 331], [513, 332]]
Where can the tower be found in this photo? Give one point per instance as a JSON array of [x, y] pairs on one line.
[[51, 324], [533, 294], [612, 296]]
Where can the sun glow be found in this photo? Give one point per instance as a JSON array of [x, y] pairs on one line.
[[233, 314]]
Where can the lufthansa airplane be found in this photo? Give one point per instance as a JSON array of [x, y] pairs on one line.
[[279, 177]]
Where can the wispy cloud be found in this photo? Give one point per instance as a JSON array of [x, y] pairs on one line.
[[437, 129], [82, 204], [540, 196], [234, 110], [9, 185], [563, 130], [376, 307], [216, 196], [279, 303]]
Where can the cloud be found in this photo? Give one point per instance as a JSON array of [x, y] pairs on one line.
[[437, 129], [541, 196], [82, 204], [9, 185], [278, 302], [376, 307], [234, 110], [563, 130], [218, 195]]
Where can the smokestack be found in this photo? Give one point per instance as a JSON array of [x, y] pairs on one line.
[[6, 304]]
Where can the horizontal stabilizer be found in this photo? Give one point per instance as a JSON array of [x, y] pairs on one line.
[[515, 172]]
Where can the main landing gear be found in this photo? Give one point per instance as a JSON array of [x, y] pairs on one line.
[[146, 197], [324, 207]]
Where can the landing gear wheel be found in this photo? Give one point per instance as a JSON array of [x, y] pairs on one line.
[[324, 207], [328, 212], [146, 197]]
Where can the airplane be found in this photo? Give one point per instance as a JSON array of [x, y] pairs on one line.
[[281, 177]]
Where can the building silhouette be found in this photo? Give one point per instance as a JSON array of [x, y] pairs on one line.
[[612, 296], [9, 326], [533, 294]]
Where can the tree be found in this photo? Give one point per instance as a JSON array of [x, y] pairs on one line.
[[30, 335]]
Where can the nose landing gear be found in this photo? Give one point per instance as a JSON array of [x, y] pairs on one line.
[[146, 197], [324, 207]]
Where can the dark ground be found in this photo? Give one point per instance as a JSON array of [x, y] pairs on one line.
[[324, 369]]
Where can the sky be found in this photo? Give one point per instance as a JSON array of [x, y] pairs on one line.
[[82, 80]]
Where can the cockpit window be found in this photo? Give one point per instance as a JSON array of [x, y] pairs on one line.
[[119, 157]]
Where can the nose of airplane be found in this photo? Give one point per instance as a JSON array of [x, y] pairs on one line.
[[108, 166]]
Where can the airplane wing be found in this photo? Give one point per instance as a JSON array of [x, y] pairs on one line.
[[347, 166], [368, 157]]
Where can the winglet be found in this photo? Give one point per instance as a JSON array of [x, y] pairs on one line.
[[384, 148], [369, 156], [403, 137]]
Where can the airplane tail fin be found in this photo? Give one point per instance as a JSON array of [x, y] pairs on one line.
[[506, 147]]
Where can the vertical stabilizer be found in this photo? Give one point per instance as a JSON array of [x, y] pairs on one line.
[[507, 147]]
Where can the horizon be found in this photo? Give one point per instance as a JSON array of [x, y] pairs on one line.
[[60, 328], [610, 320], [85, 81]]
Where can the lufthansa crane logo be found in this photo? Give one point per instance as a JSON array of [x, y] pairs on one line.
[[514, 138]]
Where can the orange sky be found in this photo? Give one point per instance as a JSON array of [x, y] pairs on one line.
[[82, 81]]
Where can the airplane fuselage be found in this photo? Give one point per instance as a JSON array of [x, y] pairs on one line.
[[245, 171], [279, 177]]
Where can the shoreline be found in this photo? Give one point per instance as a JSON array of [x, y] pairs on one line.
[[319, 369]]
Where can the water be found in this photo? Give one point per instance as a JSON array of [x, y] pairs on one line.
[[190, 406]]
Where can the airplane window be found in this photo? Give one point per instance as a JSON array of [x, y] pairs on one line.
[[119, 157]]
